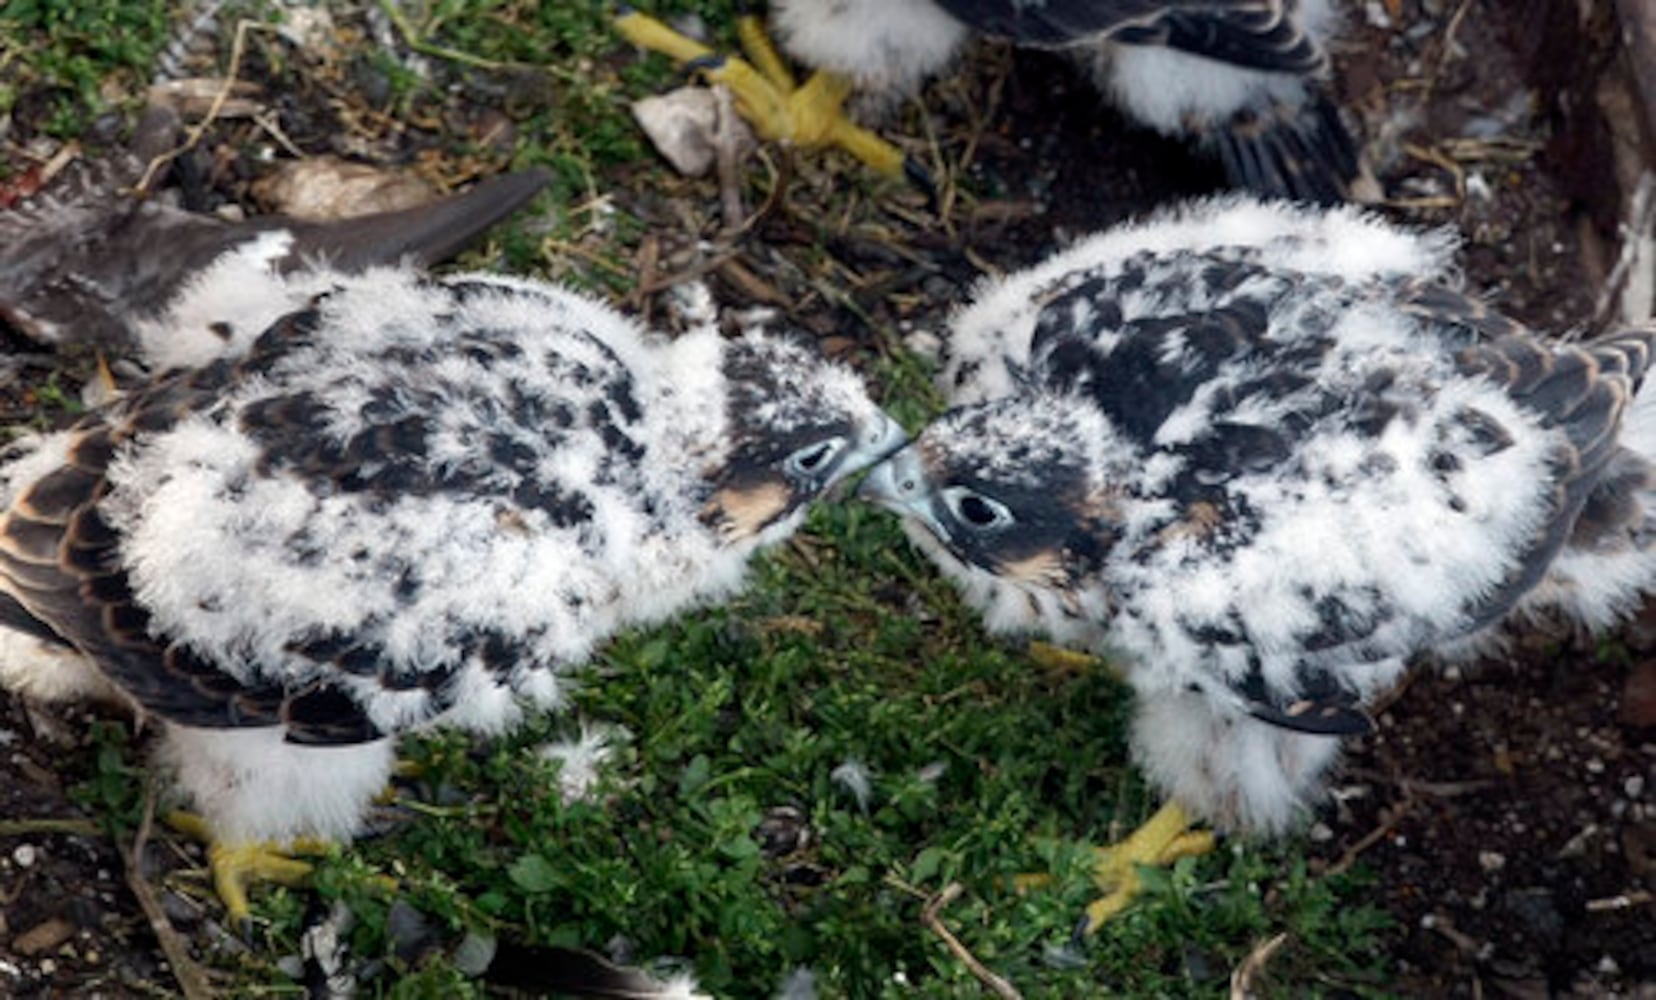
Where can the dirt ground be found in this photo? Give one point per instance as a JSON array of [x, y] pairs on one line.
[[1508, 808]]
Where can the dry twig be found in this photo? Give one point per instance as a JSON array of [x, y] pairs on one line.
[[1387, 825], [199, 129], [1242, 978], [929, 916], [192, 980], [724, 151], [27, 827], [1625, 901]]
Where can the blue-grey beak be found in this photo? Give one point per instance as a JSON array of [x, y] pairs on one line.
[[875, 440], [899, 485]]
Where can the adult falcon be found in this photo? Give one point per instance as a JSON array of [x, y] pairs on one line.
[[1260, 455], [411, 502], [1245, 79]]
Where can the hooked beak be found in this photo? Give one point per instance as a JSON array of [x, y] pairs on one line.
[[899, 485], [879, 438]]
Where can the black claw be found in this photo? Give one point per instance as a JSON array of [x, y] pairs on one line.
[[705, 64], [921, 178], [1078, 937], [246, 928]]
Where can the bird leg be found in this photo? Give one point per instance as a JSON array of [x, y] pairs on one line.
[[810, 116], [1163, 839], [235, 866]]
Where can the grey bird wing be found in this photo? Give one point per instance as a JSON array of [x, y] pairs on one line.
[[61, 577], [81, 262], [1258, 34]]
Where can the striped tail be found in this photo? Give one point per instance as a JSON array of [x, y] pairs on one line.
[[1303, 152]]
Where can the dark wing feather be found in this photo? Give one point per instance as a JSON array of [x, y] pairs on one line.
[[1323, 706], [1258, 34], [61, 577], [1137, 381], [87, 258], [423, 235], [1455, 316], [59, 563]]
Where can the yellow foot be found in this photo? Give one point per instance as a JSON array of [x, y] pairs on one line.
[[810, 116], [235, 866], [1163, 839], [1062, 662]]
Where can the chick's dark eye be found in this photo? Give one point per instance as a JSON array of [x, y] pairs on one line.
[[976, 511], [811, 458]]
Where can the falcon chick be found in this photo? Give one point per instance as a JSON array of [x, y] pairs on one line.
[[1260, 455], [410, 503], [1244, 78]]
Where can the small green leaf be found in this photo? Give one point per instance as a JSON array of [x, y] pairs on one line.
[[926, 864], [695, 774], [534, 874], [855, 875]]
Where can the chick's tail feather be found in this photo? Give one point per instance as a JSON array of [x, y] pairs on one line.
[[1302, 152], [1608, 563]]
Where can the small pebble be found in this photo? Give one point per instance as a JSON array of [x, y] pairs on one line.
[[43, 937], [1595, 766], [1491, 861], [1634, 786], [474, 953], [25, 855]]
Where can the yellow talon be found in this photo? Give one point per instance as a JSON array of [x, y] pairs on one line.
[[235, 866], [1060, 660], [1163, 839], [811, 115], [646, 32], [750, 29]]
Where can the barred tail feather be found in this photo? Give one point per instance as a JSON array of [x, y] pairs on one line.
[[1608, 565], [1302, 152]]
